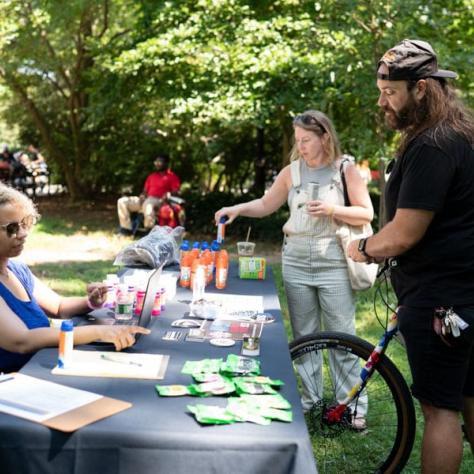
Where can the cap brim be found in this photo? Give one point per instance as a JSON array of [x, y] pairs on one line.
[[444, 73]]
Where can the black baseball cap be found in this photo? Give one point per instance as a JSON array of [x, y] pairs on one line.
[[412, 60]]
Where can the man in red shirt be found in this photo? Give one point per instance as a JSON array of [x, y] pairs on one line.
[[157, 185]]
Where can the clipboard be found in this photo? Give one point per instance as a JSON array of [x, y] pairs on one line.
[[87, 414], [53, 405]]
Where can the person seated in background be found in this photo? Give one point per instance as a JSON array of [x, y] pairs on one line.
[[26, 302], [6, 164], [157, 186], [21, 171], [36, 158]]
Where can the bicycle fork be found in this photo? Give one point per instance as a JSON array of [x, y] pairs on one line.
[[335, 414]]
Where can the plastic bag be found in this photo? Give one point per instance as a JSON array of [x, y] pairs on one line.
[[159, 247]]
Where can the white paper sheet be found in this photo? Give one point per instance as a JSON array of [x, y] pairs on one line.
[[38, 400], [115, 364]]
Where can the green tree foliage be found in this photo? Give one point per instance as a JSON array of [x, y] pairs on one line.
[[48, 52], [215, 83]]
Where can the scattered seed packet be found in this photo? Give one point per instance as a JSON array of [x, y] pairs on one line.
[[219, 387], [268, 401], [243, 411], [192, 367], [207, 377], [275, 414], [208, 414], [253, 388], [238, 365], [261, 379], [172, 390]]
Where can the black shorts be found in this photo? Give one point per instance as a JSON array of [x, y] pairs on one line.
[[442, 375]]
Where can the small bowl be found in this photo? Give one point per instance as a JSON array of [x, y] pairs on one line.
[[245, 249]]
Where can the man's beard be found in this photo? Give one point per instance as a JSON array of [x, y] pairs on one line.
[[402, 119]]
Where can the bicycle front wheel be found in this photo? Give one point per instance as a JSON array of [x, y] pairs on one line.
[[385, 444]]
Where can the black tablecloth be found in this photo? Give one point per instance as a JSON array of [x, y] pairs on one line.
[[158, 435]]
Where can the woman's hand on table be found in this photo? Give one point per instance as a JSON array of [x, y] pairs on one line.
[[121, 336]]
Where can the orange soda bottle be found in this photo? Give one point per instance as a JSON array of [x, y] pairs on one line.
[[206, 260], [194, 266], [222, 269], [195, 251], [185, 269]]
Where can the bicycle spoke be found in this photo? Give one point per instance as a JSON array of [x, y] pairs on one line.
[[327, 368]]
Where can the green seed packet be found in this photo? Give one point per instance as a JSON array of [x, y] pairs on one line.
[[261, 379], [253, 388], [213, 415], [172, 390], [244, 411], [191, 367], [219, 387], [275, 414], [207, 377], [238, 365], [268, 401]]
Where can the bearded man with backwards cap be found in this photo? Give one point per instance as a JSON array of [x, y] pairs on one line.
[[429, 237]]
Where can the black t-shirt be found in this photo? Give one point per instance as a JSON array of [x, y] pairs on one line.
[[437, 176]]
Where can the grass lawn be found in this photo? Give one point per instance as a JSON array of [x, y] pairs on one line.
[[63, 230]]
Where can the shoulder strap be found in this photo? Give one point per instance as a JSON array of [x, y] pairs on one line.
[[347, 201], [295, 173]]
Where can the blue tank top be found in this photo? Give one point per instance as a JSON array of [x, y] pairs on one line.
[[28, 311]]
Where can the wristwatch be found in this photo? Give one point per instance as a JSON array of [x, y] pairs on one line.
[[361, 248]]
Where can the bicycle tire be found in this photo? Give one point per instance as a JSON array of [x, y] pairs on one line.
[[385, 445]]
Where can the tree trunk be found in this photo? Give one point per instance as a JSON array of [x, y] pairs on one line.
[[260, 163]]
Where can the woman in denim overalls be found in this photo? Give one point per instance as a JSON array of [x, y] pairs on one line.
[[315, 274]]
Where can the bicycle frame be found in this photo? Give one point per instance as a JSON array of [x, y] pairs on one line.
[[334, 414]]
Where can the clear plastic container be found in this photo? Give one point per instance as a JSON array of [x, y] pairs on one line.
[[245, 249], [124, 307]]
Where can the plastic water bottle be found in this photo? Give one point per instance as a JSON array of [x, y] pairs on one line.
[[123, 310], [66, 344], [199, 283]]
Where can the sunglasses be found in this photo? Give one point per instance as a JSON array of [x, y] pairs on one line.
[[308, 120], [12, 228]]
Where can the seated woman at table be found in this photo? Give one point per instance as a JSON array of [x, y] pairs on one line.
[[26, 302]]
